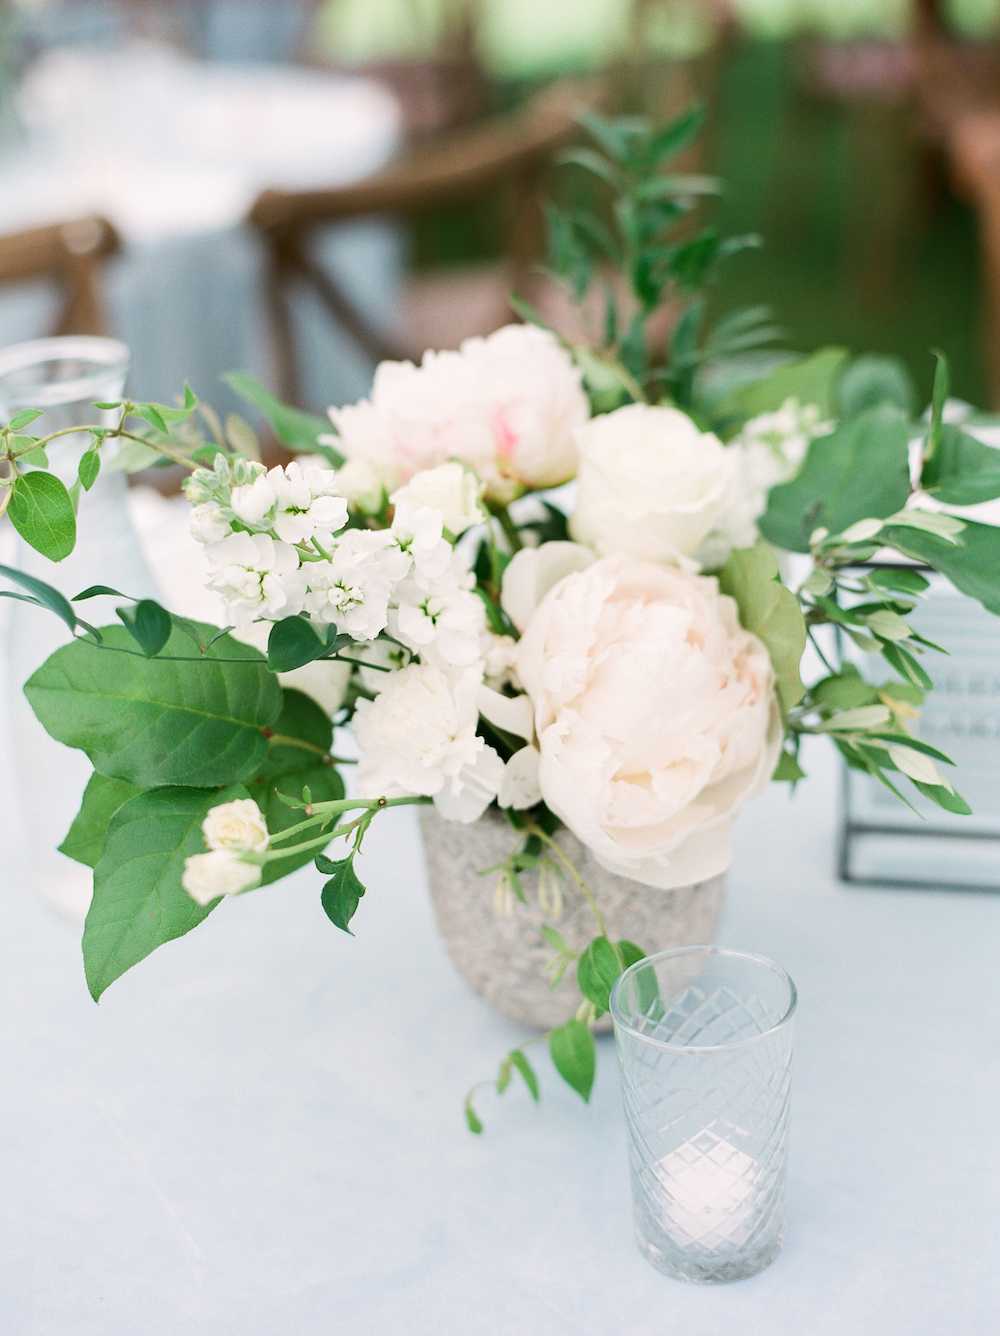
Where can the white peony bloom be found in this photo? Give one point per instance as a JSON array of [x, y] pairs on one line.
[[450, 489], [253, 502], [505, 405], [442, 620], [307, 504], [650, 484], [352, 590], [419, 533], [257, 577], [532, 572], [656, 716], [419, 737], [221, 872], [209, 523], [361, 485], [520, 788], [238, 825]]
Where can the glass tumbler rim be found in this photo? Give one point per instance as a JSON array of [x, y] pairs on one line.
[[622, 1022], [108, 355]]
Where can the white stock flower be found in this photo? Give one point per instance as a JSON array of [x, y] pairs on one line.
[[440, 619], [209, 523], [238, 825], [450, 489], [650, 483], [307, 505], [253, 502], [418, 736], [352, 590], [220, 872], [786, 435], [419, 533], [257, 577], [656, 716], [520, 787], [505, 405]]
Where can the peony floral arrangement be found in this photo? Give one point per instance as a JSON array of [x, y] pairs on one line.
[[619, 657]]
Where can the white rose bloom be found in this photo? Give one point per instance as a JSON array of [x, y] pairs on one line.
[[209, 523], [419, 737], [238, 825], [352, 590], [656, 717], [307, 506], [440, 619], [419, 533], [257, 577], [450, 489], [253, 502], [650, 484], [221, 872], [505, 405]]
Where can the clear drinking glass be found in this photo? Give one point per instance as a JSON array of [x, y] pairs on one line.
[[65, 377], [704, 1041]]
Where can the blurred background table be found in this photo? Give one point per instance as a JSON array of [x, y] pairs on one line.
[[174, 152]]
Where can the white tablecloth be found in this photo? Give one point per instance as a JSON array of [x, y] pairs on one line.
[[259, 1129], [174, 152]]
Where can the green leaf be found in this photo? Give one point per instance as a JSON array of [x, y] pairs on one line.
[[846, 690], [859, 471], [47, 596], [961, 471], [153, 416], [939, 397], [596, 971], [139, 902], [470, 1117], [133, 457], [946, 798], [629, 953], [37, 458], [811, 380], [898, 579], [23, 418], [148, 624], [973, 567], [41, 510], [154, 721], [669, 141], [342, 893], [771, 612], [872, 380], [572, 1049], [292, 642], [90, 467], [293, 428], [555, 939], [242, 437], [101, 800], [517, 1058], [787, 770]]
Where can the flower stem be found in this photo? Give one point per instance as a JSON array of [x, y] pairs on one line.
[[557, 849]]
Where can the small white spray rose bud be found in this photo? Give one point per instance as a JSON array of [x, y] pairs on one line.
[[238, 825], [221, 872]]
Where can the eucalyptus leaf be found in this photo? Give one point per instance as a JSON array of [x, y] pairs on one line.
[[155, 721], [139, 902], [42, 512]]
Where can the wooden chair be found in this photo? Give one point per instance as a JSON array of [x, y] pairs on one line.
[[509, 152], [71, 254]]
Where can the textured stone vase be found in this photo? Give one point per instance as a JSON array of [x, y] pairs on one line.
[[502, 956]]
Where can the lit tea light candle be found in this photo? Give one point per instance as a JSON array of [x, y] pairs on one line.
[[710, 1190]]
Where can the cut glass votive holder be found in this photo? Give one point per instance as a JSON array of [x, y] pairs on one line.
[[704, 1040]]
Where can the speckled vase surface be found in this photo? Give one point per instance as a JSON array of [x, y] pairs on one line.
[[502, 956]]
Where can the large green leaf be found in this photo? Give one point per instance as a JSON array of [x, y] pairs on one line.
[[288, 769], [41, 510], [298, 430], [101, 800], [961, 471], [859, 471], [139, 902], [155, 721], [811, 380], [973, 567], [771, 612]]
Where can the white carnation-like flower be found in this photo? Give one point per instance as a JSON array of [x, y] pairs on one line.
[[257, 577], [418, 736], [419, 532], [442, 620], [655, 713], [253, 502], [352, 590], [238, 825], [450, 489], [307, 504], [650, 484], [220, 872], [209, 523], [505, 405]]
